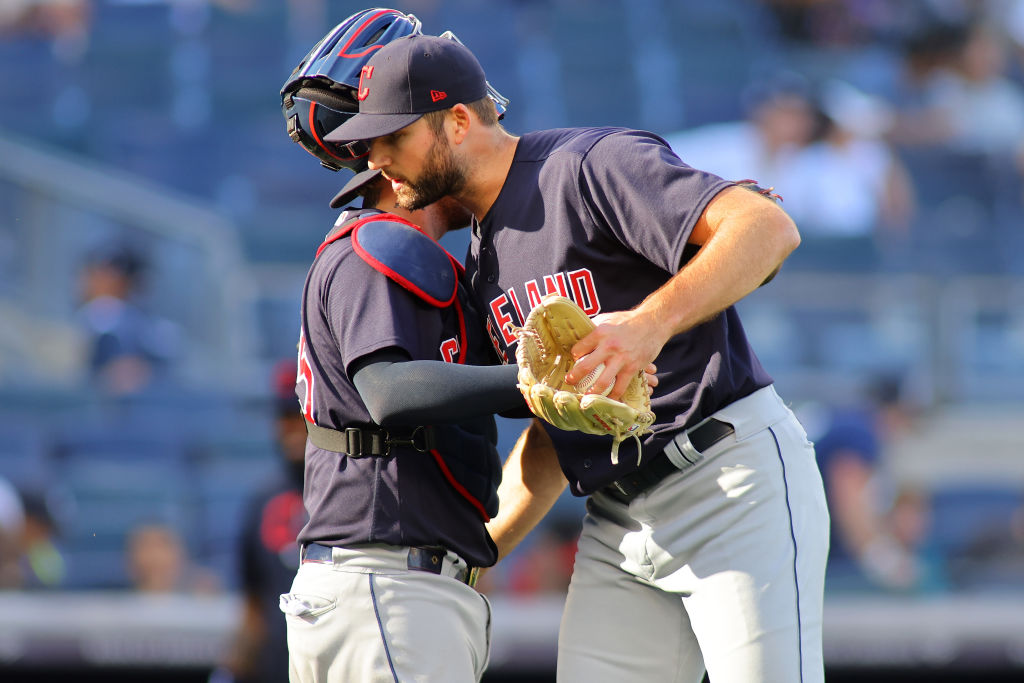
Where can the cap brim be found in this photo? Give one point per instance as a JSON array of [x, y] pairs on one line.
[[352, 187], [369, 126]]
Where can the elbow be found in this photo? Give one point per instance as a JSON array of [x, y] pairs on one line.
[[387, 416], [789, 238], [377, 413], [792, 235], [382, 411]]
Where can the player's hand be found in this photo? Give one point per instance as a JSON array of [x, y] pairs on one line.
[[625, 342]]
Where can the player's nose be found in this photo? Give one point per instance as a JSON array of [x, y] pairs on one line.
[[377, 159]]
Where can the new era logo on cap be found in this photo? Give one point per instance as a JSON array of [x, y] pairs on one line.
[[408, 78]]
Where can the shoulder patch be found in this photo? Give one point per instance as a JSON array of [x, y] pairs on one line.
[[408, 256]]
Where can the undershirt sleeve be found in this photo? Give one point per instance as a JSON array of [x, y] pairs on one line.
[[397, 390]]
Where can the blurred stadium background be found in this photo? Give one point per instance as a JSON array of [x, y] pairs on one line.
[[156, 124]]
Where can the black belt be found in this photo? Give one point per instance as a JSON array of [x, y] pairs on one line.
[[362, 441], [701, 437], [427, 558]]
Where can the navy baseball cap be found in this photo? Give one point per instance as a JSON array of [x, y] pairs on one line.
[[408, 78], [353, 186]]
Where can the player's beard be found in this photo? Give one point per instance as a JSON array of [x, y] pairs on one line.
[[441, 176]]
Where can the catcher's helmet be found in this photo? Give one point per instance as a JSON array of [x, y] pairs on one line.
[[320, 93]]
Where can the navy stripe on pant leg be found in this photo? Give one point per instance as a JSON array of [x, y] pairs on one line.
[[792, 535], [380, 627]]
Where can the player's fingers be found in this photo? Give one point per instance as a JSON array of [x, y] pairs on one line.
[[652, 376], [604, 383], [615, 379], [586, 368], [621, 383], [584, 346]]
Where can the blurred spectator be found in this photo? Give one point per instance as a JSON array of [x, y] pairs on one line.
[[873, 539], [994, 557], [42, 562], [1013, 19], [969, 103], [129, 348], [849, 182], [158, 562], [822, 152], [12, 522], [269, 554], [780, 121], [823, 24], [66, 22], [927, 50]]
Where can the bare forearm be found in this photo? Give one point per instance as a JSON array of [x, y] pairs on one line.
[[747, 241], [531, 483], [745, 238]]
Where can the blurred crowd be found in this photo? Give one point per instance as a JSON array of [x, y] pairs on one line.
[[900, 77], [848, 119]]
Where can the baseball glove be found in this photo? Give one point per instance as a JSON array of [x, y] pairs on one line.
[[544, 358]]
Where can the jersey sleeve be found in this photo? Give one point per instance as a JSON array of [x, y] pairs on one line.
[[367, 312], [645, 195]]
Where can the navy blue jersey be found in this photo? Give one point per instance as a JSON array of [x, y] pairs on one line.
[[350, 310], [602, 216]]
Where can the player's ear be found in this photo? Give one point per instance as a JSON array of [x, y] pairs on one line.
[[459, 121]]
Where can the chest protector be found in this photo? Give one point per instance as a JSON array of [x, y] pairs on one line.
[[397, 248], [408, 256]]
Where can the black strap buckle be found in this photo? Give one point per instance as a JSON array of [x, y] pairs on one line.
[[362, 442], [421, 439], [359, 442]]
